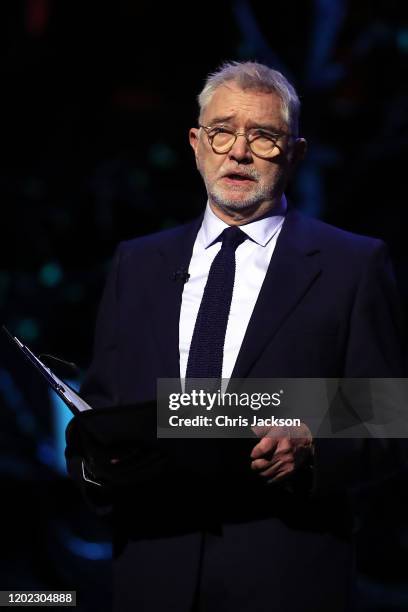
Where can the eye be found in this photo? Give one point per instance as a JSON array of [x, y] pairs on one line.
[[220, 130], [256, 134]]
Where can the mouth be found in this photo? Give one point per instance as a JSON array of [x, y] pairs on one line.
[[237, 178]]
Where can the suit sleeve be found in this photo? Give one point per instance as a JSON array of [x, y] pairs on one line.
[[375, 348], [377, 336], [97, 496], [100, 388]]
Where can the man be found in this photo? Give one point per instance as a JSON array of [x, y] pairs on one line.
[[252, 289]]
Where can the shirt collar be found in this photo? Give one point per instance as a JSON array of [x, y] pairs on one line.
[[260, 231]]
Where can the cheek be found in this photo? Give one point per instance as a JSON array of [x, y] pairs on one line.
[[208, 167], [200, 158], [271, 174], [201, 165]]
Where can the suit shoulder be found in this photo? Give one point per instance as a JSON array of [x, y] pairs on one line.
[[161, 239], [335, 240]]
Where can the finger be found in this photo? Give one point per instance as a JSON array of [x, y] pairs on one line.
[[269, 460], [284, 445], [260, 464], [265, 445], [276, 455], [282, 476], [280, 467], [269, 446]]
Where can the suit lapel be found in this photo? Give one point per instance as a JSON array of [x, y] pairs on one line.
[[172, 259], [294, 267]]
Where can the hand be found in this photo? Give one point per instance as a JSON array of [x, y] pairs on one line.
[[92, 473], [99, 468], [131, 466], [281, 451]]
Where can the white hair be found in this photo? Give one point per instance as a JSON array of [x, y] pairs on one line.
[[255, 77]]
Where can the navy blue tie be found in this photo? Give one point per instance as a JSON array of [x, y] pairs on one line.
[[207, 344]]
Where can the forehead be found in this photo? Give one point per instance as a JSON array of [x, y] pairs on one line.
[[244, 106]]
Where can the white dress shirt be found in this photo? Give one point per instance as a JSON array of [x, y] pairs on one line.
[[252, 260]]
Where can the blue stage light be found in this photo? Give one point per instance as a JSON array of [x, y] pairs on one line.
[[27, 330], [61, 415], [51, 274]]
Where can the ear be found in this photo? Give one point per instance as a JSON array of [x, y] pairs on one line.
[[299, 150], [193, 137]]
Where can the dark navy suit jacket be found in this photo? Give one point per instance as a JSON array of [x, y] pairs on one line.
[[327, 308]]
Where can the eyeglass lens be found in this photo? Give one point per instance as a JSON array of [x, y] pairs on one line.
[[264, 146]]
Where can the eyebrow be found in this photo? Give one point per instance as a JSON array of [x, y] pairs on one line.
[[221, 119], [253, 124]]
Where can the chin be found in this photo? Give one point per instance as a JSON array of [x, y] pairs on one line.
[[234, 201]]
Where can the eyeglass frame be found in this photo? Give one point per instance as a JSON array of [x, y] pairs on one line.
[[236, 134]]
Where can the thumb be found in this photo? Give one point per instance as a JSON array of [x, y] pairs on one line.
[[265, 445]]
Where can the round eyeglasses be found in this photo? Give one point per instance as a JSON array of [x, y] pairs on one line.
[[262, 144]]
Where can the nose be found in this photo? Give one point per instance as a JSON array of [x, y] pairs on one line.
[[240, 150]]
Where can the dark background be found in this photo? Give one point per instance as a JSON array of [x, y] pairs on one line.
[[96, 102]]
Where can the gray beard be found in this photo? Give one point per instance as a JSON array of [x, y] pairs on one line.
[[227, 205], [252, 202], [232, 205]]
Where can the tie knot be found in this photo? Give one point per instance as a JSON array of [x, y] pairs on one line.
[[232, 237]]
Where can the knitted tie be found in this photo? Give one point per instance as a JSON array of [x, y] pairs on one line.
[[207, 344]]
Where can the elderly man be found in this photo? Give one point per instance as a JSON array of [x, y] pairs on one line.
[[252, 289]]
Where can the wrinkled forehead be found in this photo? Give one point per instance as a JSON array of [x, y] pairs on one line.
[[242, 106]]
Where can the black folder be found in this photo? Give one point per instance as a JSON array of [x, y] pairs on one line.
[[108, 425], [130, 431]]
